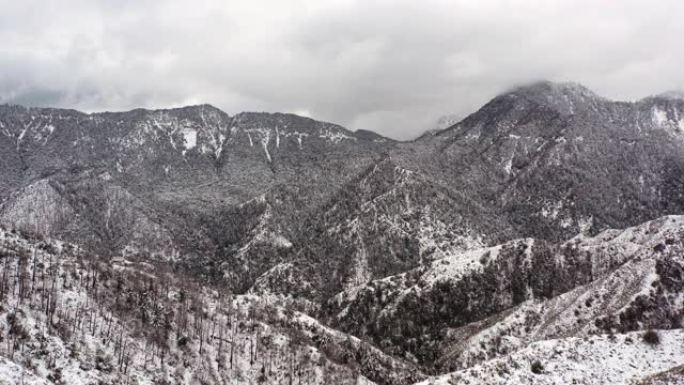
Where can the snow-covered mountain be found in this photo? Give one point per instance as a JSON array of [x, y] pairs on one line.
[[547, 221]]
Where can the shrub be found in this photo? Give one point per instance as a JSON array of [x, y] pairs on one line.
[[537, 367], [103, 361], [15, 326], [63, 330], [651, 337], [182, 341]]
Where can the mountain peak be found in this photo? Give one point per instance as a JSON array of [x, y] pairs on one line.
[[199, 109], [566, 97], [305, 125], [446, 121], [549, 89], [673, 95]]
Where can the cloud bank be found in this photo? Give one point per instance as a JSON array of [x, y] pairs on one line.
[[393, 67]]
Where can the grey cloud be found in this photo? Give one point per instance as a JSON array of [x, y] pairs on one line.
[[390, 66]]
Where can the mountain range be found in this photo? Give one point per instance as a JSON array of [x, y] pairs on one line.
[[521, 244]]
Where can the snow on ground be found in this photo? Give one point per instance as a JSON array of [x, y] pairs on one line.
[[83, 342], [190, 137], [14, 374], [673, 376], [596, 360], [573, 313], [659, 116], [437, 240], [335, 136], [569, 314], [456, 266]]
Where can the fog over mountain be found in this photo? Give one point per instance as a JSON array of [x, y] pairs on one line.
[[393, 67]]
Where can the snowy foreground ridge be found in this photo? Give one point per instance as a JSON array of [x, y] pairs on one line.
[[66, 319], [605, 359]]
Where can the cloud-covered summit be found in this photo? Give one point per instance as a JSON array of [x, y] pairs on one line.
[[390, 66]]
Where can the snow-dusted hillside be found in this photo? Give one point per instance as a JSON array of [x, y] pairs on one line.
[[475, 306], [619, 359], [190, 246], [69, 319]]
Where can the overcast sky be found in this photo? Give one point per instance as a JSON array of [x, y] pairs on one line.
[[393, 67]]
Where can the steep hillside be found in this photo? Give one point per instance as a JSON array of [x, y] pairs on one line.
[[190, 246], [673, 376], [386, 221], [474, 306], [257, 197], [619, 359], [68, 318], [556, 159], [174, 173]]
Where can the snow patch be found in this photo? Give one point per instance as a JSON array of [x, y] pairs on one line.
[[596, 360], [335, 136], [264, 144], [659, 116], [190, 137], [552, 210], [508, 166]]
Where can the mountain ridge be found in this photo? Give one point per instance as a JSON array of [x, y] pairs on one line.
[[388, 260], [542, 89]]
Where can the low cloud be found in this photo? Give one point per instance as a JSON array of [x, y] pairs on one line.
[[390, 66]]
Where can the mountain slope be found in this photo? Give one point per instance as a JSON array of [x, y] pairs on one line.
[[473, 306], [69, 318], [485, 242], [546, 161], [615, 359], [176, 168], [560, 154]]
